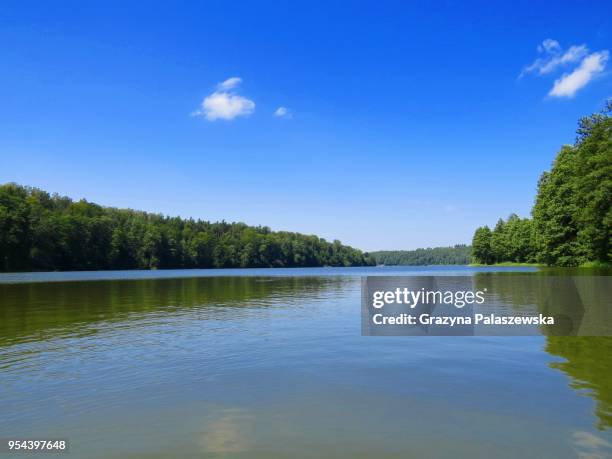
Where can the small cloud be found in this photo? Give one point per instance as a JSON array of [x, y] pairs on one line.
[[554, 57], [549, 45], [225, 105], [570, 83], [230, 83], [283, 112]]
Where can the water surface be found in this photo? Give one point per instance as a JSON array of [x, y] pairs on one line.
[[271, 364]]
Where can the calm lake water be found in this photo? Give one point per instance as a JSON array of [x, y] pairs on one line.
[[271, 364]]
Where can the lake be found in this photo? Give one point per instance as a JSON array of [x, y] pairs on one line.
[[270, 363]]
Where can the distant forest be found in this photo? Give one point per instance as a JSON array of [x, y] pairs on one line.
[[456, 255], [43, 232], [571, 222]]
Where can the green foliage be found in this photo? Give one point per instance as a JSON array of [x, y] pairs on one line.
[[572, 214], [481, 246], [573, 209], [457, 255], [499, 242], [43, 232], [512, 240]]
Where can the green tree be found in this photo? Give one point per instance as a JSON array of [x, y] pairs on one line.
[[519, 240], [457, 255], [593, 186], [500, 249], [572, 214], [44, 232], [481, 246]]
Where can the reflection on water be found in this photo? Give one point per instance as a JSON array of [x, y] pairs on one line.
[[590, 446], [228, 431], [276, 367], [588, 362], [44, 310], [581, 305], [586, 304]]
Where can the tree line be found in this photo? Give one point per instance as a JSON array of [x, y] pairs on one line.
[[456, 255], [571, 222], [44, 232]]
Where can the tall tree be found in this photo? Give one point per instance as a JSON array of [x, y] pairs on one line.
[[481, 246], [572, 214]]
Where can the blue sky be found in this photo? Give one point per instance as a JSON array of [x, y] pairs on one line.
[[406, 124]]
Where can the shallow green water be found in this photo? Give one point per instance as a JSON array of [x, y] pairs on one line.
[[268, 364]]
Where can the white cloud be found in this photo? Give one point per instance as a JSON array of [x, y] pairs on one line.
[[554, 57], [586, 66], [568, 84], [283, 112], [549, 45], [230, 83], [224, 104]]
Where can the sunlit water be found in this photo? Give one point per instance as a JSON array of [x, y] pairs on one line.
[[271, 363]]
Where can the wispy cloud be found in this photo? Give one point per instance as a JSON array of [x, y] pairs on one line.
[[570, 83], [230, 83], [549, 45], [283, 112], [552, 57], [225, 104]]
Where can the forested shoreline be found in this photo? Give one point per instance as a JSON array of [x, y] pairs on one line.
[[571, 225], [571, 222], [455, 255], [44, 232]]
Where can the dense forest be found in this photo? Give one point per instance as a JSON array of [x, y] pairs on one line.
[[43, 232], [457, 255], [571, 222]]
